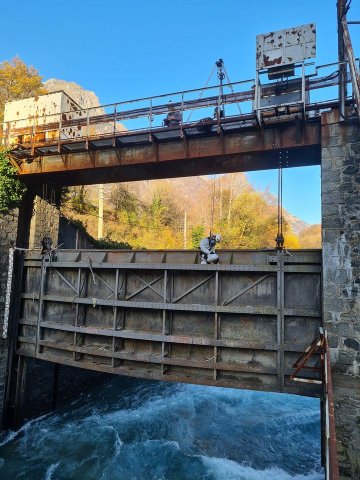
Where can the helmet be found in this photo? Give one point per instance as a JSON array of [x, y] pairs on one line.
[[218, 237]]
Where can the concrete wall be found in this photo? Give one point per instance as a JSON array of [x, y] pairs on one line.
[[340, 172]]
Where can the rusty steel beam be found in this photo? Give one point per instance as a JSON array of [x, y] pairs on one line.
[[251, 149], [248, 382]]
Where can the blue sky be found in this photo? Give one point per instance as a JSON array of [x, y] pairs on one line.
[[124, 49]]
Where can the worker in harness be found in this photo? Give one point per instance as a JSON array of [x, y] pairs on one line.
[[46, 244], [207, 247], [173, 118]]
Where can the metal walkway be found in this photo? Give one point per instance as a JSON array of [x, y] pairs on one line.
[[85, 146]]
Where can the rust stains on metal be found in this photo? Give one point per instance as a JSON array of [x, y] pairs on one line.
[[333, 466], [271, 63], [241, 351]]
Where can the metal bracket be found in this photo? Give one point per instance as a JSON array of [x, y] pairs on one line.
[[317, 346]]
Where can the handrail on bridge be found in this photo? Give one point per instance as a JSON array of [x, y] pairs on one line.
[[103, 121]]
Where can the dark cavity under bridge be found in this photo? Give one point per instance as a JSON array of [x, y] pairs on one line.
[[161, 315]]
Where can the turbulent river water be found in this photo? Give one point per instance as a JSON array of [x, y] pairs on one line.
[[141, 430]]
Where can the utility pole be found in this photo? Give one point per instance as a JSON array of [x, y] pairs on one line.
[[101, 212], [185, 230]]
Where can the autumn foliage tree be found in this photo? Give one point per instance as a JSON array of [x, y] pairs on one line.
[[17, 81]]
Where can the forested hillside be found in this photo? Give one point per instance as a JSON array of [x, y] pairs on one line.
[[176, 213]]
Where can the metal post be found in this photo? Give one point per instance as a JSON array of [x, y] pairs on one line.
[[257, 97], [165, 326], [185, 230], [341, 57], [355, 77], [323, 430], [41, 304], [115, 310], [87, 127], [77, 356], [59, 133], [114, 126], [101, 212], [216, 324], [303, 88], [20, 391], [182, 116], [150, 121], [120, 322]]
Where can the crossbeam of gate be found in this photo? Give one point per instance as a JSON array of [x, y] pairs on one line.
[[161, 315]]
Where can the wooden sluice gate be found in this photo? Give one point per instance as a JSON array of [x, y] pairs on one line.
[[242, 323]]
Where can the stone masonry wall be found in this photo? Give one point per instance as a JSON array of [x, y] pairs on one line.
[[44, 223], [14, 227], [45, 384], [340, 176]]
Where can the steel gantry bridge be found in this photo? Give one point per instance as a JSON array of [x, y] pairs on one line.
[[128, 141]]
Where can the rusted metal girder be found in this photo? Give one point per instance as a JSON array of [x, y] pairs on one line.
[[245, 149]]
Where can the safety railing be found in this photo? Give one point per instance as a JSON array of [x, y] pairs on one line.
[[206, 108]]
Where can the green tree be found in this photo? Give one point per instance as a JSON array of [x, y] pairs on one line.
[[78, 199], [18, 81], [197, 233], [11, 188], [163, 212], [124, 199]]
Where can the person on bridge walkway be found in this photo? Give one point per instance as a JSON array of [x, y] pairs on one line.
[[207, 247], [173, 118]]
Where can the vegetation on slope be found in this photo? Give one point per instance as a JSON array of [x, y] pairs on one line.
[[163, 214], [17, 81], [11, 189]]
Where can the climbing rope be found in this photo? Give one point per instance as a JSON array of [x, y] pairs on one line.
[[201, 93]]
